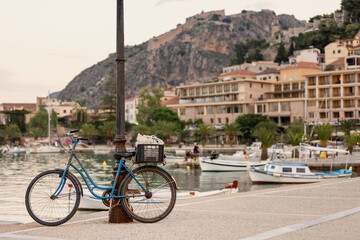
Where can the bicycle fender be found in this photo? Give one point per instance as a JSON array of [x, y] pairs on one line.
[[72, 175]]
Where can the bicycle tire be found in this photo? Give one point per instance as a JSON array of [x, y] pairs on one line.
[[152, 207], [47, 210]]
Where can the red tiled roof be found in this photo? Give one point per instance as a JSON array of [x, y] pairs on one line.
[[171, 101], [25, 106], [339, 62], [302, 65], [238, 72]]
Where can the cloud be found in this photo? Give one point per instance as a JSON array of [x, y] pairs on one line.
[[167, 1], [6, 76]]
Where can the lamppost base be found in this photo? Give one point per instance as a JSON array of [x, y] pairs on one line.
[[118, 215]]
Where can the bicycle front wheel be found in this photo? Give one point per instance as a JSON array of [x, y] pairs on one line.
[[46, 208], [155, 201]]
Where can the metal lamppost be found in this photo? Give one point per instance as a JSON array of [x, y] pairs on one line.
[[117, 213]]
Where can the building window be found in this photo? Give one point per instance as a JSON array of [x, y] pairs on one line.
[[219, 89], [274, 107], [227, 88], [285, 169], [285, 107], [210, 110], [227, 120], [250, 85], [182, 111], [259, 109], [219, 120], [339, 51], [336, 115], [204, 90], [211, 120], [200, 110], [290, 77], [311, 114], [333, 51], [349, 114], [250, 96], [235, 87], [229, 109], [238, 109], [262, 85], [64, 111]]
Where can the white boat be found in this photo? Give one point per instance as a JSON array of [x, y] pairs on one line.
[[89, 202], [280, 172], [219, 165], [13, 150], [239, 155]]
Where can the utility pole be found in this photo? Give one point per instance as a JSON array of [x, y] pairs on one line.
[[117, 213]]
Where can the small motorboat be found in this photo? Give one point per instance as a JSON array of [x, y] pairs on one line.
[[239, 155], [281, 172], [220, 165]]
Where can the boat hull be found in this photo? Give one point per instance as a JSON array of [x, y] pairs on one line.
[[228, 166], [259, 177]]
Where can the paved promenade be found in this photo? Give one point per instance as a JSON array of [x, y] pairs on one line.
[[328, 210]]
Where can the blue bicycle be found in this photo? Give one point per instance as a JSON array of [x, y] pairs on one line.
[[147, 193]]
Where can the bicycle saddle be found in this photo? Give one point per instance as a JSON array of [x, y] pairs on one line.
[[124, 154]]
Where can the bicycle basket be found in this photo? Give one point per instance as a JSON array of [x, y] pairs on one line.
[[149, 153]]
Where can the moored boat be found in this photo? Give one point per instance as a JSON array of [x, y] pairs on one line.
[[281, 172], [219, 165]]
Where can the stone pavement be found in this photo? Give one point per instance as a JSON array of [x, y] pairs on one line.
[[329, 210]]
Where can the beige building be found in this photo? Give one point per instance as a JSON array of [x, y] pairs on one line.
[[223, 101], [30, 107], [286, 100], [255, 67], [343, 53], [333, 95], [63, 109], [131, 109]]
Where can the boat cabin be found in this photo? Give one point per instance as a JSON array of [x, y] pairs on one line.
[[286, 168]]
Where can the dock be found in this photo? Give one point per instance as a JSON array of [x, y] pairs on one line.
[[327, 210]]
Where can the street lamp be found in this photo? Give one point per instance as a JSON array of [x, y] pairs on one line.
[[117, 213]]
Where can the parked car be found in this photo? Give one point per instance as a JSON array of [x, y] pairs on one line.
[[193, 128], [335, 123], [315, 123]]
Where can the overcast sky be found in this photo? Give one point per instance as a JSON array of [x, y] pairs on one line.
[[44, 44]]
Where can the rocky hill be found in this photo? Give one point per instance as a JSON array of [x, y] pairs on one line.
[[195, 50]]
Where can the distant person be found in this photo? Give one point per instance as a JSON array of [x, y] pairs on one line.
[[187, 155], [222, 142], [196, 149]]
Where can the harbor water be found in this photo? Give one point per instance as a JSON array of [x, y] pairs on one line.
[[16, 172]]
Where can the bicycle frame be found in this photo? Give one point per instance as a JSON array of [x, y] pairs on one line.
[[82, 169]]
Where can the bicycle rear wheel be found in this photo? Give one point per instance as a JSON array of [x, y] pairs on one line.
[[156, 202], [47, 209]]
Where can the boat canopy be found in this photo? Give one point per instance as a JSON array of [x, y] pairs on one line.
[[322, 149]]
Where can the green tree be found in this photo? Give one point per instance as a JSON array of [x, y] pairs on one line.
[[2, 135], [163, 113], [347, 126], [324, 133], [80, 114], [291, 49], [294, 135], [108, 130], [165, 129], [89, 131], [53, 119], [351, 140], [38, 124], [204, 131], [281, 55], [247, 123], [142, 129], [149, 101], [231, 130], [17, 117], [13, 133], [353, 8], [183, 134], [254, 55], [266, 133], [240, 51]]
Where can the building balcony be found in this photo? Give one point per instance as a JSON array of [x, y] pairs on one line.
[[349, 94]]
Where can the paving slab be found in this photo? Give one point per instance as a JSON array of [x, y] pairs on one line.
[[329, 210]]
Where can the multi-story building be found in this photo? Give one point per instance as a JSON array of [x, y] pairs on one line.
[[333, 95], [63, 109], [344, 53], [223, 101], [286, 100], [131, 109], [30, 107], [312, 55], [255, 67]]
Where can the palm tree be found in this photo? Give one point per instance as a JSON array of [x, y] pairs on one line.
[[165, 129], [231, 130], [80, 112], [13, 133], [347, 126], [89, 131], [351, 140], [324, 133], [142, 129], [294, 135], [204, 131], [183, 134], [109, 129], [266, 133]]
